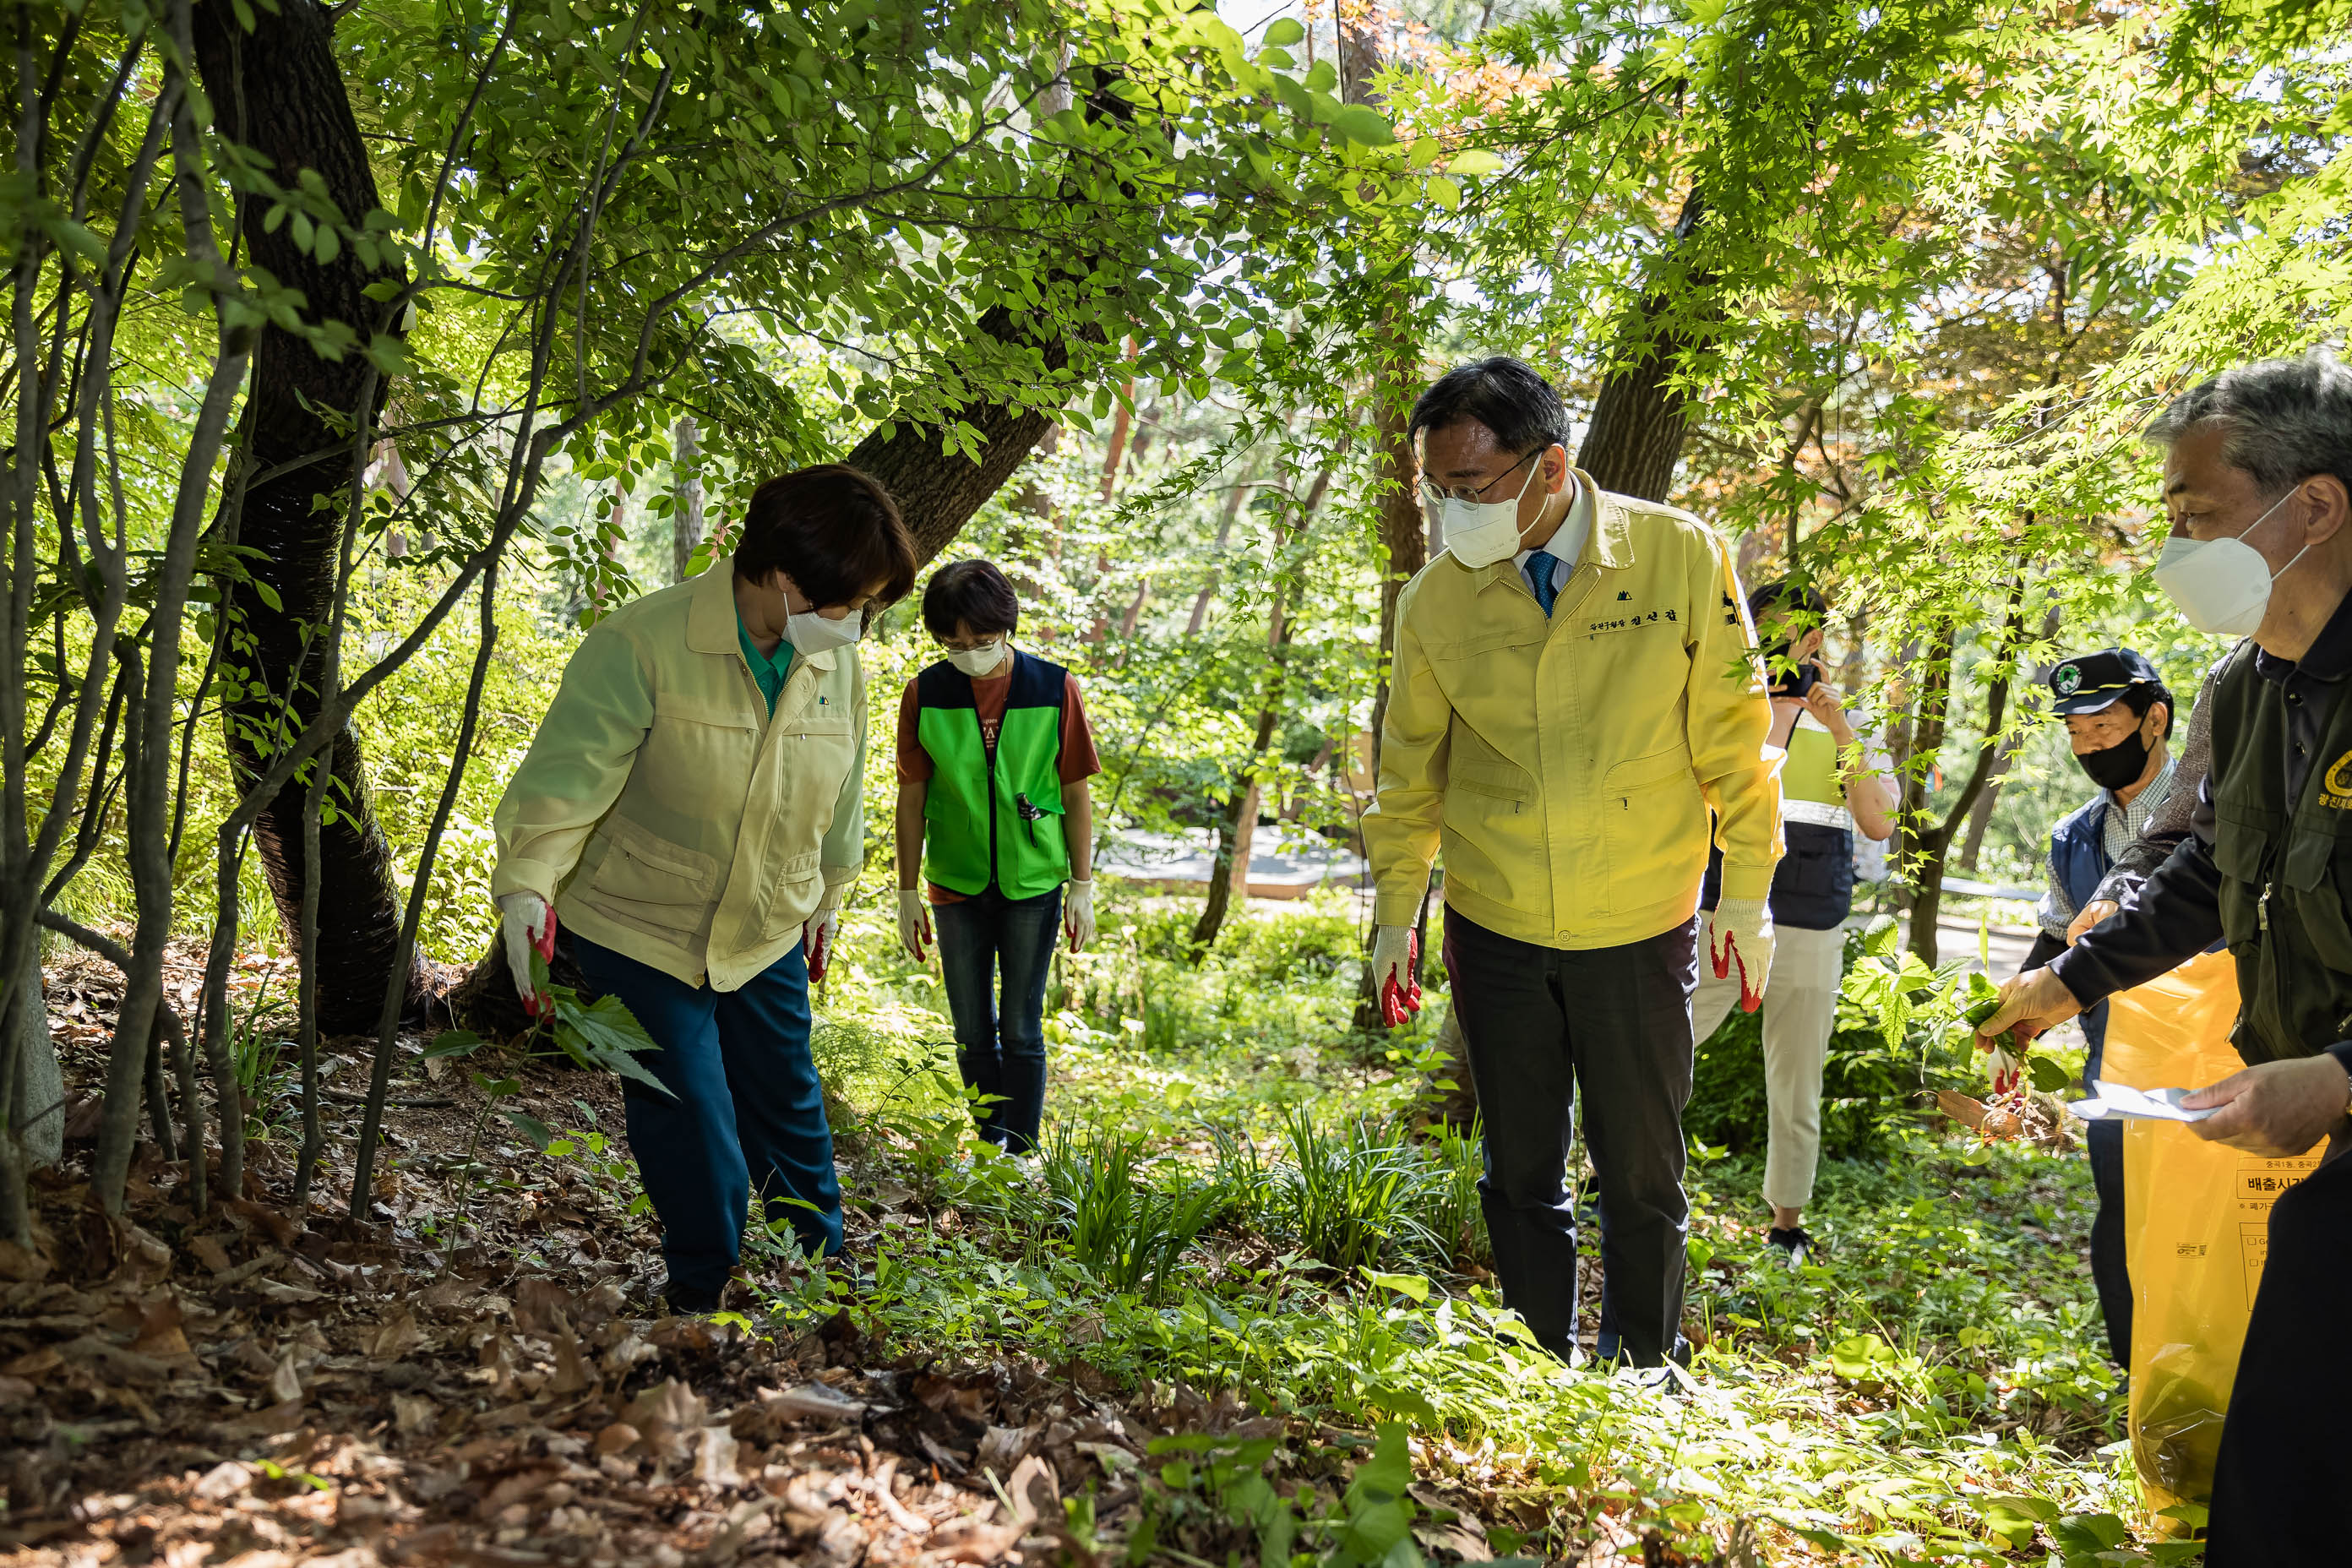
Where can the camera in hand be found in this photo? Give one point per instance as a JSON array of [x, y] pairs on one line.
[[1789, 682]]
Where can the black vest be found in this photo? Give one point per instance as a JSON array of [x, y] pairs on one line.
[[1812, 887], [2287, 876]]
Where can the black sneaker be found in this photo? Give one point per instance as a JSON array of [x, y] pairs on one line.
[[1799, 1246], [684, 1302]]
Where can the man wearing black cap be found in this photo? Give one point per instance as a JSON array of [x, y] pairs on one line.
[[2118, 717]]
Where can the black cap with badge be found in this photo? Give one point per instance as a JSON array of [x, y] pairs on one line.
[[2097, 681]]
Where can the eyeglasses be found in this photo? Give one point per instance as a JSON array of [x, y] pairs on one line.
[[1432, 494], [954, 646]]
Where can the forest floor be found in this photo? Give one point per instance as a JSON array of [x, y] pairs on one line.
[[1235, 1314]]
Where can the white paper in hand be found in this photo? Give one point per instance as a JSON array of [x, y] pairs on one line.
[[2121, 1102]]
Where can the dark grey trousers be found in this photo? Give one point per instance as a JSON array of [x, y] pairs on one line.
[[1541, 1024]]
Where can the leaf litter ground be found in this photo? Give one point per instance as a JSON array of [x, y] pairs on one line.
[[476, 1374]]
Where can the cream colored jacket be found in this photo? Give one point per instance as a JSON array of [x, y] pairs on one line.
[[1567, 766], [665, 814]]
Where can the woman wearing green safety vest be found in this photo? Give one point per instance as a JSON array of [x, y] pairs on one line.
[[1829, 792], [994, 757]]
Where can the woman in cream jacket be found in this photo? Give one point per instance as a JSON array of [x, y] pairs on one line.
[[691, 811]]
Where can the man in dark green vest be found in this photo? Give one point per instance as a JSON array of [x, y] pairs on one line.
[[2258, 484]]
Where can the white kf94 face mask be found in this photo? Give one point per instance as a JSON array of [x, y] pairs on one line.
[[1480, 533], [978, 661], [809, 632], [2222, 586]]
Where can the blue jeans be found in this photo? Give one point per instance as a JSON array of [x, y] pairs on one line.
[[1001, 1051], [748, 1108]]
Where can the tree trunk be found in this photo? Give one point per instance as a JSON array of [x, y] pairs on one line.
[[1639, 419], [1244, 797], [1981, 814], [685, 517], [1405, 543], [1245, 837], [1926, 850], [1217, 552], [278, 91]]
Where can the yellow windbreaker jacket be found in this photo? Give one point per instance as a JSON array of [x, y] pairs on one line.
[[1567, 766], [665, 814]]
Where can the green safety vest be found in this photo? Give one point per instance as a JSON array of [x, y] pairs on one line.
[[2286, 875], [995, 818]]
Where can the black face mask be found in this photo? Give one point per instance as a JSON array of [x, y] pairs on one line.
[[2116, 765]]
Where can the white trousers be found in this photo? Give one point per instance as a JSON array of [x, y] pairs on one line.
[[1799, 1011]]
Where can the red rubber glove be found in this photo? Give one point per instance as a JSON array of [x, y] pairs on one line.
[[539, 1002], [1399, 982]]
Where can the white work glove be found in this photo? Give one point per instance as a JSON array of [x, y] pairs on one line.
[[816, 932], [1396, 972], [914, 922], [527, 925], [1078, 915], [1739, 934]]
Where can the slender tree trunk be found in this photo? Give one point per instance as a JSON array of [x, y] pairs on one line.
[[1240, 802], [278, 90], [1641, 418], [1208, 594], [1981, 814], [686, 515], [1927, 850], [1405, 543]]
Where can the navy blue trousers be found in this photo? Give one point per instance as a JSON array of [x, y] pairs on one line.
[[749, 1111], [2105, 1142], [986, 941]]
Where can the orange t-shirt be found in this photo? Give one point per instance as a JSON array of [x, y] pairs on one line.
[[1078, 758]]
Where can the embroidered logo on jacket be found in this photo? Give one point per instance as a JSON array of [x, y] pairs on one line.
[[2335, 783]]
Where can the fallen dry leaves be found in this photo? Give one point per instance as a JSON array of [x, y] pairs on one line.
[[251, 1387]]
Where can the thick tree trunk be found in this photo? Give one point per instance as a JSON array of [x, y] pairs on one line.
[[278, 91], [939, 493], [1639, 419]]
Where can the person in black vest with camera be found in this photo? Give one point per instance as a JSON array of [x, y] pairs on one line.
[[1830, 790]]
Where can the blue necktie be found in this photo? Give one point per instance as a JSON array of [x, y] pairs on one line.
[[1538, 569]]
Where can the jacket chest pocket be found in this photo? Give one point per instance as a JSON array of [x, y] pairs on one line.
[[2240, 851], [697, 758], [812, 755], [2318, 868]]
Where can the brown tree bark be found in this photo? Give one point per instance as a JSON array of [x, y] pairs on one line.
[[1639, 419], [1927, 850], [686, 521], [277, 89]]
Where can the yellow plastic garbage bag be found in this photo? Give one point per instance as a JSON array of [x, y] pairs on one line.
[[2196, 1227]]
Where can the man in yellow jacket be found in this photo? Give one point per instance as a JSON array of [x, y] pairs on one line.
[[691, 811], [1576, 688]]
